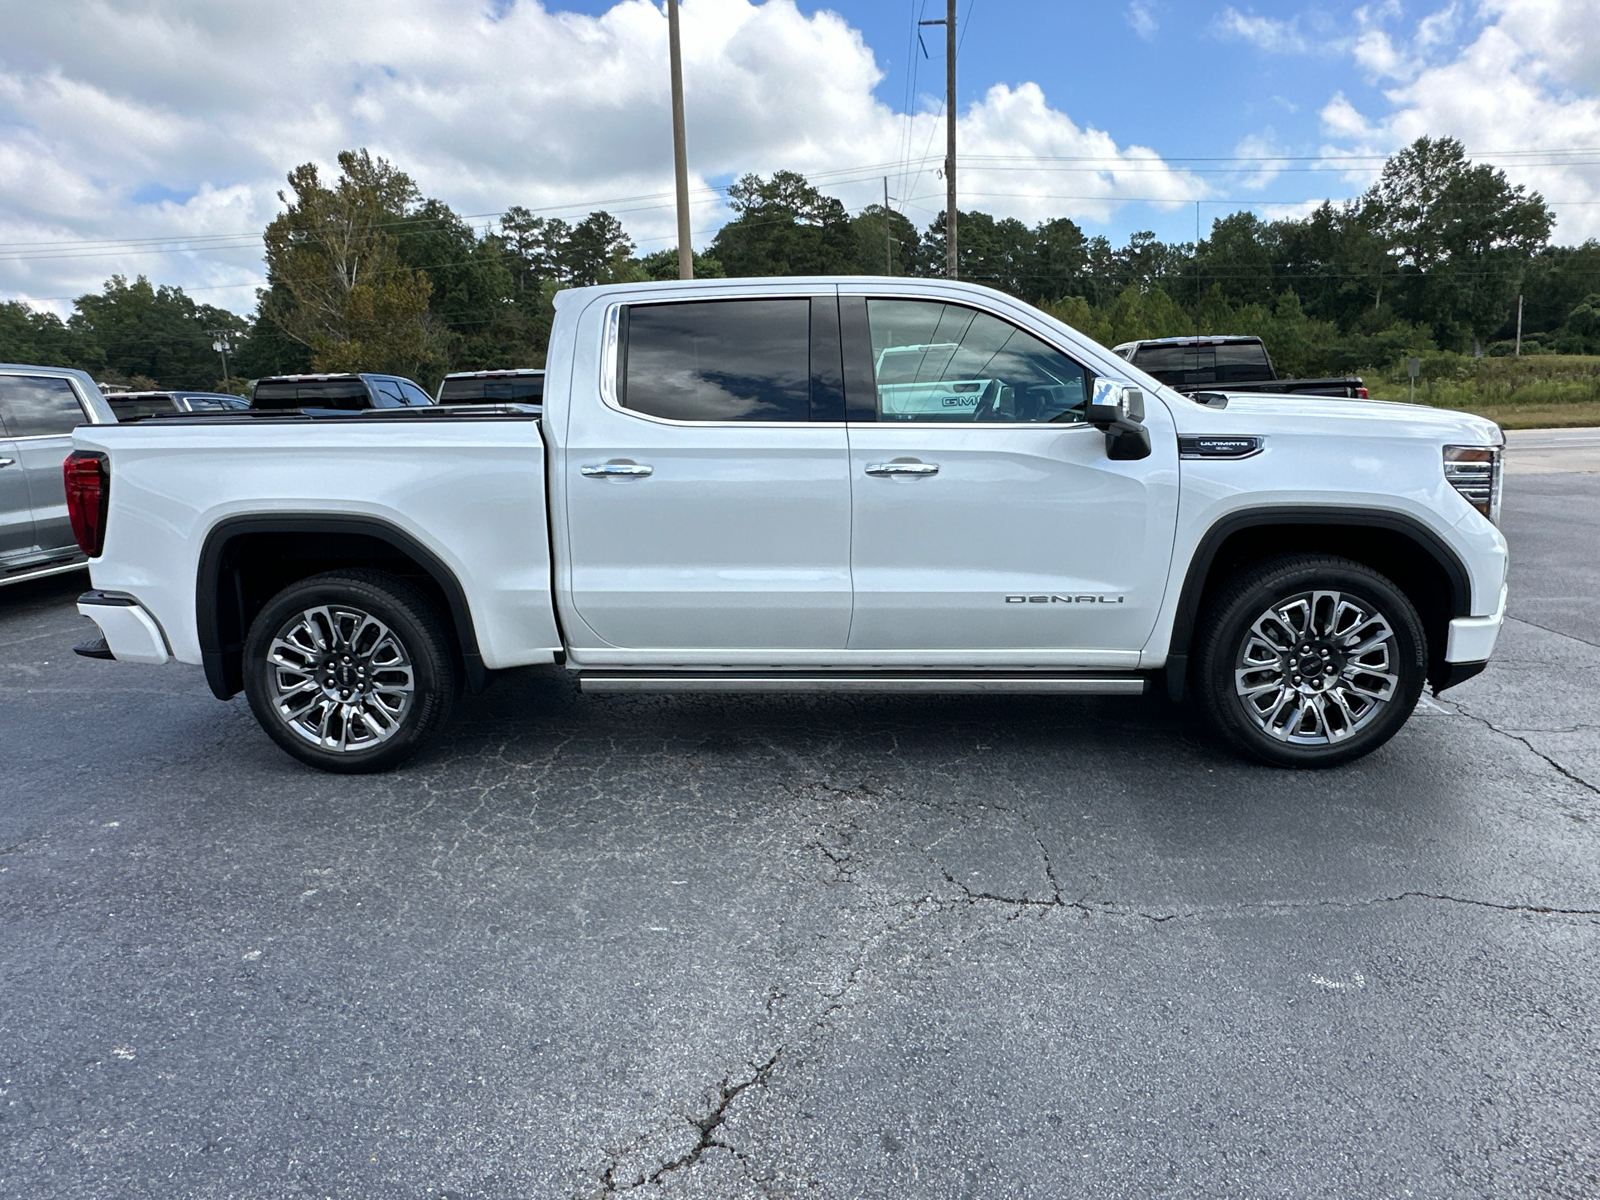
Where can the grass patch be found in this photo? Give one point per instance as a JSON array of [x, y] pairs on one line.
[[1542, 391]]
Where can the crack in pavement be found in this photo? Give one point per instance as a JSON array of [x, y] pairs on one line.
[[1518, 738], [707, 1126], [1559, 633]]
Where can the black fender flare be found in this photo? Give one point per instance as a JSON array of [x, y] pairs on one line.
[[221, 662], [1455, 572]]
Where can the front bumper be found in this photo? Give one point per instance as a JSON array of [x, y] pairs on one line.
[[1472, 639], [130, 633]]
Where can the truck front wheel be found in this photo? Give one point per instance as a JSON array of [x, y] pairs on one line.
[[350, 671], [1309, 660]]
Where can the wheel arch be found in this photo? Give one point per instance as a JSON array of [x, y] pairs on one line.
[[246, 560], [1400, 547]]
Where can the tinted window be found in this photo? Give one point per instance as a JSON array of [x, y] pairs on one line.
[[412, 393], [344, 394], [719, 360], [387, 393], [1178, 364], [1241, 362], [946, 363], [37, 406], [132, 408]]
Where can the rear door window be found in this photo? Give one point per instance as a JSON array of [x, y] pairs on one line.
[[39, 406], [718, 360]]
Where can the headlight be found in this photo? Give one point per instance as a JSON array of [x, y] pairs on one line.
[[1476, 472]]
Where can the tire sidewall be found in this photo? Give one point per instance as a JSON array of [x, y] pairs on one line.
[[1234, 618], [408, 617]]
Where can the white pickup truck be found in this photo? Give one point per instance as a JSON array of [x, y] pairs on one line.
[[721, 495]]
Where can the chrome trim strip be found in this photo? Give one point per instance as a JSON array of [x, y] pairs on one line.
[[24, 576], [1078, 685]]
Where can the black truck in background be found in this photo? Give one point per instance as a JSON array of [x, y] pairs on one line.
[[1226, 364]]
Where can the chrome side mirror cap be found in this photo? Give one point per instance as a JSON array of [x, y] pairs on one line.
[[1115, 406], [1117, 410]]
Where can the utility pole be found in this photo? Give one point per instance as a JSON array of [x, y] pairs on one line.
[[222, 342], [888, 239], [680, 149], [1519, 325], [949, 24]]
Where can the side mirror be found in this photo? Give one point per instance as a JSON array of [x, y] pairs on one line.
[[1117, 410]]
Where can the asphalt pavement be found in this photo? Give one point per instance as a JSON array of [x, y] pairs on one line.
[[806, 947]]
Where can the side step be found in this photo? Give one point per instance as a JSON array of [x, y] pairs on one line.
[[926, 682]]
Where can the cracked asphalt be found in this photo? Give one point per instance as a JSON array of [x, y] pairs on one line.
[[806, 947]]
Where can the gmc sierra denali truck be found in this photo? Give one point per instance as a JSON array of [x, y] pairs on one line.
[[801, 485]]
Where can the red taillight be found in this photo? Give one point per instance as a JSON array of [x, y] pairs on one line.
[[88, 479], [1361, 394]]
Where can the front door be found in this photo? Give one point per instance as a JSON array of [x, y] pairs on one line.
[[988, 517], [40, 413], [708, 497]]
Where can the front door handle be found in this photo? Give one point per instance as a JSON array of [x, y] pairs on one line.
[[616, 470], [891, 469], [8, 462]]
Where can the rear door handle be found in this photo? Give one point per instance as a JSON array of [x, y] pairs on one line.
[[614, 470], [890, 469], [8, 462]]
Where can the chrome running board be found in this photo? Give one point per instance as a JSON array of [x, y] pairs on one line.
[[930, 682]]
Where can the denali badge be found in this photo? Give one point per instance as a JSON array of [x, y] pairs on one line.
[[1054, 599]]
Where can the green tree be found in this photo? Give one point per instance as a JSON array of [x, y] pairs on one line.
[[1460, 235], [663, 265], [872, 256], [138, 329], [42, 339], [785, 227], [338, 283]]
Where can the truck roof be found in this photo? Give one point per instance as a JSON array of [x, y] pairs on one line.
[[1217, 339], [499, 373]]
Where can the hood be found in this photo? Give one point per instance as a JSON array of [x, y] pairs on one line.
[[1252, 412]]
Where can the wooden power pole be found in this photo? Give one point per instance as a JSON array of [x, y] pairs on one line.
[[680, 149], [949, 24]]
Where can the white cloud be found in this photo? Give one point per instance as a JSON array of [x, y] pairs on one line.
[[178, 119], [1522, 94], [1142, 20], [1268, 33]]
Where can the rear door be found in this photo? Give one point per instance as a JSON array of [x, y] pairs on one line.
[[16, 510], [988, 519], [40, 414], [707, 488]]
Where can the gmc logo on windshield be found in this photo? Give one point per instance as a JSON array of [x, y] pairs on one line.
[[1054, 599]]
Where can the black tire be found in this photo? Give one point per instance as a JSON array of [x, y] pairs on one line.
[[375, 689], [1310, 702]]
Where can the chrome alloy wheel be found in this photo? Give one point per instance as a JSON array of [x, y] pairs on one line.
[[1316, 668], [340, 678]]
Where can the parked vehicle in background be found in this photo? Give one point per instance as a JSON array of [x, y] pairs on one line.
[[755, 485], [135, 406], [1227, 364], [343, 392], [523, 385], [39, 408]]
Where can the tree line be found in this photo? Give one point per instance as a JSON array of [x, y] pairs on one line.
[[366, 273]]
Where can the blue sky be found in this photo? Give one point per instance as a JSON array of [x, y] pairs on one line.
[[118, 155]]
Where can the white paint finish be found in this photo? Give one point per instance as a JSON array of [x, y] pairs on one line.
[[958, 657], [129, 631], [1472, 639], [1015, 510], [738, 539], [471, 491]]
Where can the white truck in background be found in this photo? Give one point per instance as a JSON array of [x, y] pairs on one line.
[[721, 494]]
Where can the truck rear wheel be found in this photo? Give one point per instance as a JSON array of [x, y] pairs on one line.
[[349, 671], [1309, 660]]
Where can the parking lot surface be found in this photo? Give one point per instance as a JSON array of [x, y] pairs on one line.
[[825, 947]]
